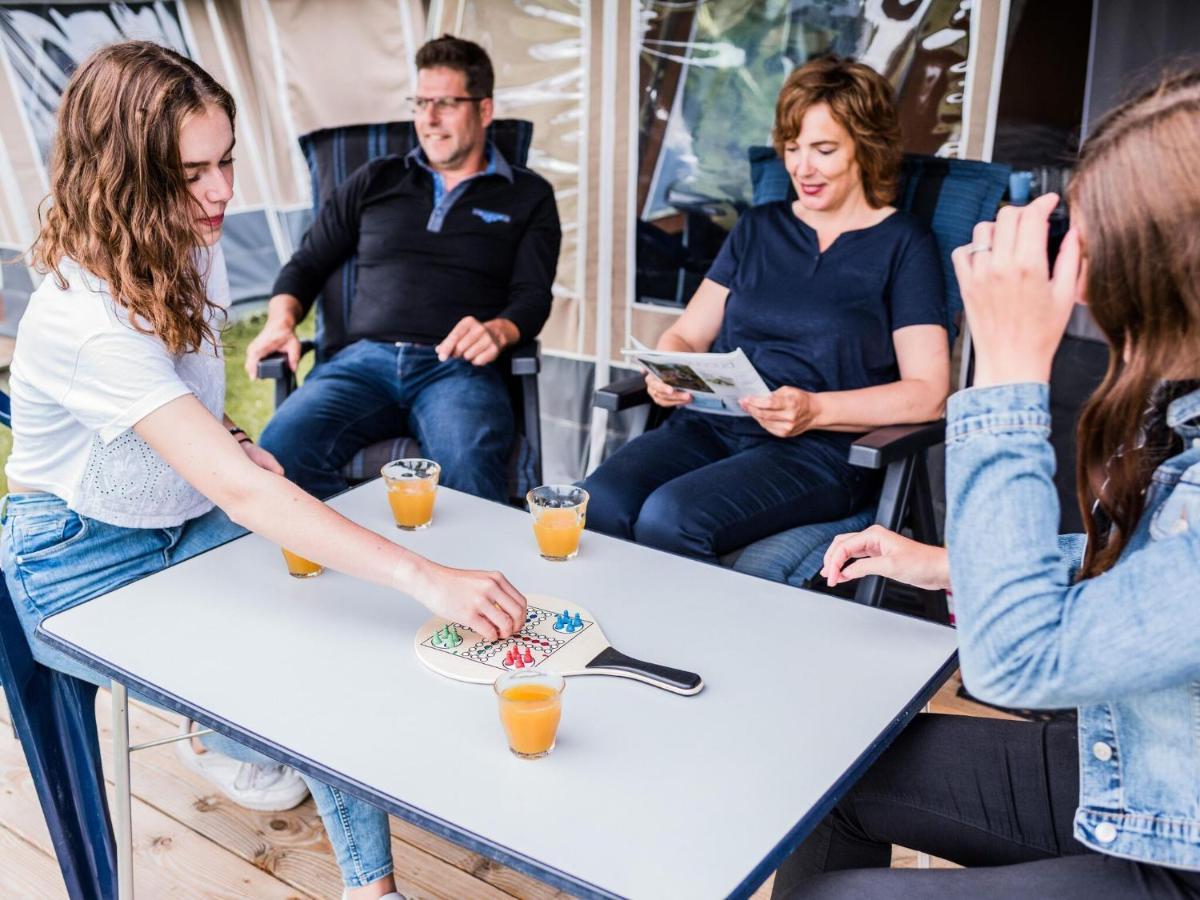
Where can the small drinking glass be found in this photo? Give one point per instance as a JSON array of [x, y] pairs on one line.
[[530, 709], [559, 514], [411, 490], [299, 567]]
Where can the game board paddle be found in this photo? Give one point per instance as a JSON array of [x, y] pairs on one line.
[[582, 651]]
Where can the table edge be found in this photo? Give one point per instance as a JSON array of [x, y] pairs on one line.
[[556, 878], [838, 789]]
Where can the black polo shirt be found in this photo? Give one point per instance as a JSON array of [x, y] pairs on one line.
[[488, 249]]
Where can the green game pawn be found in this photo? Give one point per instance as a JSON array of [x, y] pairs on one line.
[[453, 638]]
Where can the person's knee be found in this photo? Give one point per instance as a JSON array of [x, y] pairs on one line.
[[667, 523], [288, 435], [610, 510], [474, 460], [299, 441]]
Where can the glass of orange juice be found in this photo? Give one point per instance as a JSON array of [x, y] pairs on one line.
[[299, 567], [411, 490], [530, 707], [559, 512]]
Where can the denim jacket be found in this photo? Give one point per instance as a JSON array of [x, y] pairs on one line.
[[1123, 647]]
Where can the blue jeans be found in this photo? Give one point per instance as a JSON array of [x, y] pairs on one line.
[[795, 555], [372, 391], [703, 485], [54, 559]]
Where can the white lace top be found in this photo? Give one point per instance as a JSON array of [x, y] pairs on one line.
[[81, 378]]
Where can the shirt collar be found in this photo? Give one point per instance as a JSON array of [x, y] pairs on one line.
[[496, 163], [1182, 413]]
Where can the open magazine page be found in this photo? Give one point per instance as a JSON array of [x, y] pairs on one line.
[[716, 381]]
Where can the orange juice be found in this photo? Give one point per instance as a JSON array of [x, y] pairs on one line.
[[412, 502], [299, 567], [557, 532], [530, 714]]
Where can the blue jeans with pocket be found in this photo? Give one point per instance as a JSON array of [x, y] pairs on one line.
[[371, 391], [54, 559]]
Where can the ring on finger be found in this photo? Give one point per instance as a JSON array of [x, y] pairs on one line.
[[982, 248]]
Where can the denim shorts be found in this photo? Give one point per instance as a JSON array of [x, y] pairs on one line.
[[53, 559]]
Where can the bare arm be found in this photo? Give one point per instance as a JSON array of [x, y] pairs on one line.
[[923, 356], [200, 449], [697, 328]]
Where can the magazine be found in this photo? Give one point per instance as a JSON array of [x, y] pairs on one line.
[[716, 381]]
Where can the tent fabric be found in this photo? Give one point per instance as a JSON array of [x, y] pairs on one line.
[[296, 66]]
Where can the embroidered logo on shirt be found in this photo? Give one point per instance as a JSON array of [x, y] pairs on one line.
[[491, 217]]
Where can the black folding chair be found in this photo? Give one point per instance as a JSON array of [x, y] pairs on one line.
[[332, 155]]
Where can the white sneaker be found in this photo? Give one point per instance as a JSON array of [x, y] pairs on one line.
[[391, 895], [268, 788]]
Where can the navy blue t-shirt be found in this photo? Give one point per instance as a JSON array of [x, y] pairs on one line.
[[824, 321]]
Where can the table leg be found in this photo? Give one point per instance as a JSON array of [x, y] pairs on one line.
[[124, 817]]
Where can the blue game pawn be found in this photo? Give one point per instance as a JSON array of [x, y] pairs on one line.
[[577, 622], [561, 621]]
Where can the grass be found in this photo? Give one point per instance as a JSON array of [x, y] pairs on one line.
[[249, 403]]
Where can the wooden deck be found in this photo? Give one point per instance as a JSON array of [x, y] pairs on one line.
[[192, 842]]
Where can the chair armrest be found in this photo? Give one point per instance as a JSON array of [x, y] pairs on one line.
[[526, 358], [274, 365], [892, 443], [625, 393]]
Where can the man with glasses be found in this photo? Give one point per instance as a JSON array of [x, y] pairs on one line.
[[457, 250]]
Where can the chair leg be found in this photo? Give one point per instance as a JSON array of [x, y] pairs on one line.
[[124, 810]]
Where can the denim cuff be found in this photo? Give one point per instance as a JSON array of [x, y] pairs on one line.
[[996, 409]]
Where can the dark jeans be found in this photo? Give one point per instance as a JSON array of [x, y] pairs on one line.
[[702, 485], [373, 391], [998, 796]]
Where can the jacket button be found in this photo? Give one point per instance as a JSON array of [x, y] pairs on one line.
[[1106, 832], [1102, 751]]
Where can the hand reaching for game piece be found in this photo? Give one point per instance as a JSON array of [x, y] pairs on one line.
[[483, 601], [877, 551]]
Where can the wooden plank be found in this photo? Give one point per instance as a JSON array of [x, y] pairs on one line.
[[27, 871], [291, 845], [286, 831], [169, 859]]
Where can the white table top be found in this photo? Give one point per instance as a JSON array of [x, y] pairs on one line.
[[647, 794]]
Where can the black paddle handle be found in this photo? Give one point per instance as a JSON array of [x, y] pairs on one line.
[[671, 679]]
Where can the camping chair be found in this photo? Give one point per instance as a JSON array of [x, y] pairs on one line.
[[951, 196], [332, 155], [54, 718]]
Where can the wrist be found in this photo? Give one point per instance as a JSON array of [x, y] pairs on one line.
[[407, 573], [819, 405], [990, 372], [504, 332], [283, 311], [942, 570], [240, 435]]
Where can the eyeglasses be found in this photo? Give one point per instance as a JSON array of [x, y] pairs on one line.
[[439, 104]]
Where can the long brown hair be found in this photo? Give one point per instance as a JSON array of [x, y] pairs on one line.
[[862, 102], [120, 207], [1137, 191]]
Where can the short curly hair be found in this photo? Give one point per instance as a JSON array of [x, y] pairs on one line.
[[862, 102]]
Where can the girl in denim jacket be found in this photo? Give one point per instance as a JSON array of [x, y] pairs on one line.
[[1110, 624]]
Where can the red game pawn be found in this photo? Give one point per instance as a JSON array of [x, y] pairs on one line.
[[517, 662], [528, 656], [508, 657]]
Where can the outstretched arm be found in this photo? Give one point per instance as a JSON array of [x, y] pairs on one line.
[[199, 447]]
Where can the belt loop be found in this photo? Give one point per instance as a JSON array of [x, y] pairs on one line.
[[4, 510]]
